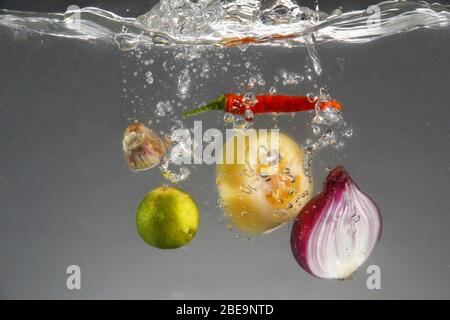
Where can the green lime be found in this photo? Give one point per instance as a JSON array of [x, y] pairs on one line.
[[167, 218]]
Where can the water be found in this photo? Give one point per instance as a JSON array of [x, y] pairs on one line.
[[215, 22], [68, 93]]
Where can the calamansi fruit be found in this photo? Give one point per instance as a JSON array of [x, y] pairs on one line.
[[258, 196], [167, 218]]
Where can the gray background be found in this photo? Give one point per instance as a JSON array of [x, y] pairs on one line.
[[66, 196]]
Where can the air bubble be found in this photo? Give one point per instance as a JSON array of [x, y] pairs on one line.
[[348, 133], [149, 77], [184, 83], [162, 108], [316, 130], [249, 115], [252, 82], [290, 78], [260, 79], [272, 90], [228, 118], [311, 97]]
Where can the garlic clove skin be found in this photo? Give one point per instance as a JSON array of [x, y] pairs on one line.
[[142, 147], [337, 230]]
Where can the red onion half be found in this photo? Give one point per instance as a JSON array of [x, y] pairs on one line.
[[336, 231]]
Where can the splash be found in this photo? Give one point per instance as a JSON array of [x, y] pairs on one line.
[[234, 22]]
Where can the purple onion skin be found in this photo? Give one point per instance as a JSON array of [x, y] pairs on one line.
[[334, 188]]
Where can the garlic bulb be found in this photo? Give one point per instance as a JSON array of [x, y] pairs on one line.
[[142, 147]]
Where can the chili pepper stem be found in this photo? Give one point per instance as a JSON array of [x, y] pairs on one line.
[[217, 104]]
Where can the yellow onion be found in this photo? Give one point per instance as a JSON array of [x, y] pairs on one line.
[[260, 196]]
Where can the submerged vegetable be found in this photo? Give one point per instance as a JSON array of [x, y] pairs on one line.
[[236, 104], [337, 230], [142, 147], [167, 218], [260, 196]]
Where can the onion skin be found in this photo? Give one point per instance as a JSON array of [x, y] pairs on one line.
[[327, 226]]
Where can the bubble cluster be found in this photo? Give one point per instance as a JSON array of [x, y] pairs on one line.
[[163, 108], [184, 84], [149, 77], [291, 78]]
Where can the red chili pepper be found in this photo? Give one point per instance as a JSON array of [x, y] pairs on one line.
[[233, 103]]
